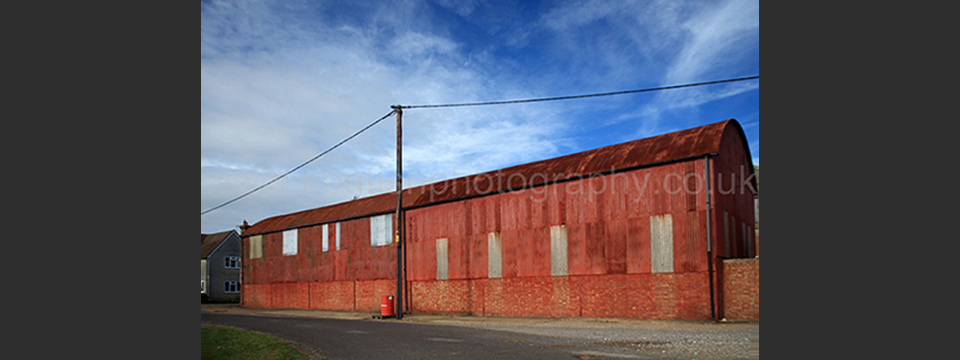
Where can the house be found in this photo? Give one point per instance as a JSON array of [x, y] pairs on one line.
[[220, 267], [633, 230]]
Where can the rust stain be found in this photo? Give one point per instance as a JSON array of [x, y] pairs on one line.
[[663, 148]]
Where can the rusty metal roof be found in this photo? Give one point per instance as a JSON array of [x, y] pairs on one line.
[[210, 242], [664, 148]]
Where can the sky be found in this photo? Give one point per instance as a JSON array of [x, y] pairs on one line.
[[282, 81]]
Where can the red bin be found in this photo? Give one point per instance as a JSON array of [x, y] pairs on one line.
[[386, 306]]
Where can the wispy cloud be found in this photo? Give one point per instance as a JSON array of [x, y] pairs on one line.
[[283, 80], [276, 91]]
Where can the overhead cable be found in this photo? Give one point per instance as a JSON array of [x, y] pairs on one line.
[[299, 166], [578, 96]]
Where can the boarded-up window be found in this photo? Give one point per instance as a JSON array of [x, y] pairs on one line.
[[442, 260], [661, 243], [558, 250], [325, 237], [338, 236], [380, 229], [256, 247], [290, 242], [494, 253]]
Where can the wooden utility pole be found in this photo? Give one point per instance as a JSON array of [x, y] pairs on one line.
[[398, 235]]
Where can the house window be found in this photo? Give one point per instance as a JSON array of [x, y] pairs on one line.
[[380, 229], [231, 286], [231, 262], [338, 236], [290, 242]]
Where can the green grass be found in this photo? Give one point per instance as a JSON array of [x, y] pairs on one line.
[[217, 342]]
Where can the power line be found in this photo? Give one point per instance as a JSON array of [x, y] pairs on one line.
[[300, 166], [580, 96], [395, 107]]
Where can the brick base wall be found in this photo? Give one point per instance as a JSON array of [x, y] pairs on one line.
[[643, 296], [334, 295], [741, 289], [646, 296]]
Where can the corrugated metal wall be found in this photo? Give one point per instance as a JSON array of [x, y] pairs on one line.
[[643, 229], [606, 226]]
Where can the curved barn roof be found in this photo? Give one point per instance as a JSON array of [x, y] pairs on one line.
[[666, 148]]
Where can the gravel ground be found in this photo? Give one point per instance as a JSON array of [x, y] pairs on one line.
[[592, 338], [644, 338]]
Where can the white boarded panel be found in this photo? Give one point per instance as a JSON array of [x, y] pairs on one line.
[[380, 230], [256, 247], [442, 260], [558, 250], [494, 256], [290, 242], [661, 243], [338, 236], [325, 237]]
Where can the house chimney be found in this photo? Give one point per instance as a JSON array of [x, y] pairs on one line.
[[244, 227]]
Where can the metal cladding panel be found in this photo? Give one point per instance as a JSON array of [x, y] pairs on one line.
[[515, 211], [668, 147], [690, 244], [577, 249], [733, 182], [615, 246], [554, 199], [607, 220], [638, 246], [510, 241], [585, 243], [459, 257], [272, 245], [532, 252], [477, 255]]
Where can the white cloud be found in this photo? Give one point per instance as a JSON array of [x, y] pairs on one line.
[[461, 7], [305, 87], [714, 35], [283, 81]]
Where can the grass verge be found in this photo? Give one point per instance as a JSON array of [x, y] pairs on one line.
[[218, 342]]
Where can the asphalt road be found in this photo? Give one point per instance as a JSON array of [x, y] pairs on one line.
[[374, 339], [352, 339]]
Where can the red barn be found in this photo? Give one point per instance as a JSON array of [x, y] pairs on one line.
[[626, 230]]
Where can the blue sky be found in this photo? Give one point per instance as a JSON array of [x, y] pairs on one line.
[[281, 81]]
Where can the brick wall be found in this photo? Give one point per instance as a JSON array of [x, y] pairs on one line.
[[648, 296], [333, 295], [741, 289]]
